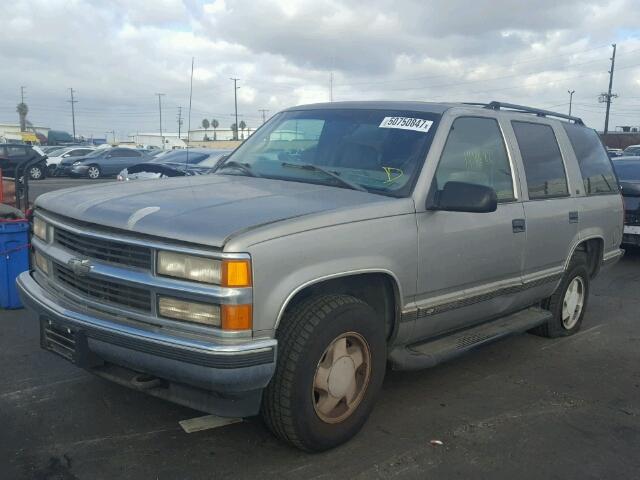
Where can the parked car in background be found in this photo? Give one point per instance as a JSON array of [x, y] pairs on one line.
[[383, 233], [631, 150], [49, 148], [628, 171], [56, 156], [13, 154], [175, 163], [101, 162], [614, 152]]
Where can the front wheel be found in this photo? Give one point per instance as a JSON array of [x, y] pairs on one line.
[[93, 172], [331, 364], [36, 172]]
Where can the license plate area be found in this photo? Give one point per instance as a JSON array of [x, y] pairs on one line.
[[59, 339]]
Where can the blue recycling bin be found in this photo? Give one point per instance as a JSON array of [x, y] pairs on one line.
[[14, 259]]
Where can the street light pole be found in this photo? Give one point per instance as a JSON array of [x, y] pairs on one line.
[[570, 92], [160, 95], [235, 101]]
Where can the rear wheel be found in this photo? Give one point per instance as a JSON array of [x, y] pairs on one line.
[[93, 172], [569, 302], [331, 363]]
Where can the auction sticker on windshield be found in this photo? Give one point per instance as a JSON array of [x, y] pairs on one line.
[[407, 123]]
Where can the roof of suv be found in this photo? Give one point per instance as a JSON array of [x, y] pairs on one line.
[[433, 107]]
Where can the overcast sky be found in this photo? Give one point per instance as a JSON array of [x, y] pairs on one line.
[[118, 54]]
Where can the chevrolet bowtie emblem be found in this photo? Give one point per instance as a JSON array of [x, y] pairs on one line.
[[80, 267]]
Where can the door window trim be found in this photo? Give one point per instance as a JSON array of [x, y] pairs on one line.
[[516, 197]]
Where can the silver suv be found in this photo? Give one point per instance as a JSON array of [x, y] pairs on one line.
[[337, 239]]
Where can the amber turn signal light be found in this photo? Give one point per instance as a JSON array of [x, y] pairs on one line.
[[237, 317], [236, 273]]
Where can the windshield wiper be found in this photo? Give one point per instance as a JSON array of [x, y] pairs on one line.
[[244, 167], [334, 175]]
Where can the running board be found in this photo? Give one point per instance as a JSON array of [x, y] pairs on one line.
[[433, 352]]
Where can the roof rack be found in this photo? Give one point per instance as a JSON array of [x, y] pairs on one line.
[[523, 109]]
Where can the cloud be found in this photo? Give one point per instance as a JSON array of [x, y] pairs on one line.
[[118, 54]]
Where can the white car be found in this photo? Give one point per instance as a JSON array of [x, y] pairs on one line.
[[56, 156]]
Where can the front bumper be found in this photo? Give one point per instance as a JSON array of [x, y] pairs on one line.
[[225, 378]]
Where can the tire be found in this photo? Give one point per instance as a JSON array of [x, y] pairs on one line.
[[310, 334], [36, 172], [94, 172], [577, 275]]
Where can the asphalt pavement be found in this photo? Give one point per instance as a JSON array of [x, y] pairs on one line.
[[526, 408]]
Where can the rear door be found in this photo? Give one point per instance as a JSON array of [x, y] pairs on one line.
[[551, 212]]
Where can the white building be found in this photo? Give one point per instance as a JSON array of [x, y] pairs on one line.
[[11, 131], [154, 139]]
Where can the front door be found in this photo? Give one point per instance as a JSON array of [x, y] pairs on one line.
[[469, 264]]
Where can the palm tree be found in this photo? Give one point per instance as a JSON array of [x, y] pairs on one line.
[[214, 124], [205, 125], [22, 110], [234, 129], [242, 127]]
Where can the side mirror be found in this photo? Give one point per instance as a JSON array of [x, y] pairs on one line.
[[465, 197]]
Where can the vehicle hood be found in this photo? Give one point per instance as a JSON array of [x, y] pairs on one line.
[[209, 209]]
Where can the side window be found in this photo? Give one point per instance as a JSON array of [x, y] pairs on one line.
[[542, 160], [475, 153], [595, 166], [16, 151]]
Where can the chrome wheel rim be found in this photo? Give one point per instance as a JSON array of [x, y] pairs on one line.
[[341, 377], [93, 172], [35, 173], [572, 303]]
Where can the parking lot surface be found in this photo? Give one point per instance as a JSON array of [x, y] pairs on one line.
[[526, 407]]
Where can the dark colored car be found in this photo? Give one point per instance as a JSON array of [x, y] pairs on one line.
[[628, 171], [12, 155], [177, 163], [101, 163]]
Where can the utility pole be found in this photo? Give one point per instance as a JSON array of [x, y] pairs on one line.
[[264, 114], [331, 86], [160, 95], [73, 112], [570, 92], [179, 121], [22, 94], [235, 101], [113, 132], [606, 97]]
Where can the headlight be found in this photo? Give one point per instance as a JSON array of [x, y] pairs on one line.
[[189, 267], [40, 228], [41, 262], [197, 312]]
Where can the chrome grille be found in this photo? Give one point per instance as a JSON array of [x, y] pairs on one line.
[[104, 290], [105, 250]]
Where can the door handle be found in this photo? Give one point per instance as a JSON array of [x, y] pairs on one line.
[[574, 217], [519, 225]]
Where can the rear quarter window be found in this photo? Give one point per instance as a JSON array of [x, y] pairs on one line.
[[595, 165]]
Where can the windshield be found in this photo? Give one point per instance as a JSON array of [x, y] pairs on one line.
[[627, 171], [381, 151]]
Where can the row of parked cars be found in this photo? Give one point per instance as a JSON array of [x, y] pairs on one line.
[[123, 162]]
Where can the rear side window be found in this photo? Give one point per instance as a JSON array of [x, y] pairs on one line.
[[542, 160], [16, 151], [475, 153], [595, 166]]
